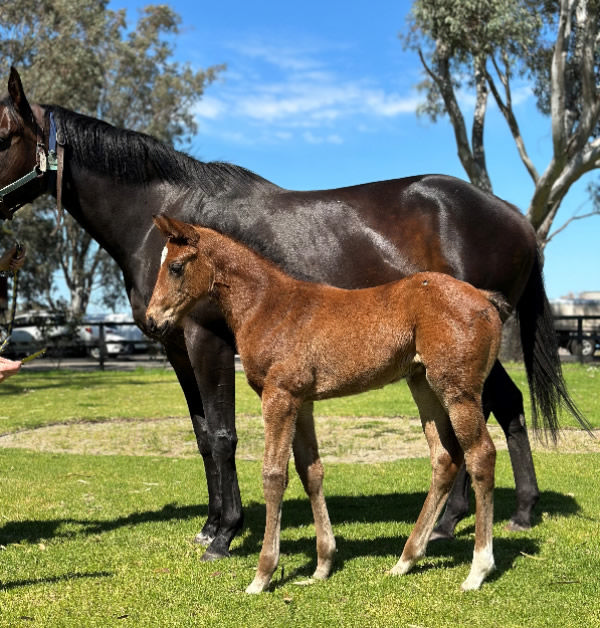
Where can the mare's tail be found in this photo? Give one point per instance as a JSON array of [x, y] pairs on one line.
[[540, 352]]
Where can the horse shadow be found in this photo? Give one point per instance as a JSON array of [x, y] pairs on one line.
[[401, 508], [343, 509]]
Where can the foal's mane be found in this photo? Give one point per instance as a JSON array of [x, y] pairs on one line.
[[136, 157]]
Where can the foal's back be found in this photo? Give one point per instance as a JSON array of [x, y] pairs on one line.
[[334, 342]]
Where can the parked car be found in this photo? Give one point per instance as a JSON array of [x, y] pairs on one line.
[[137, 342], [115, 343], [587, 306], [59, 334]]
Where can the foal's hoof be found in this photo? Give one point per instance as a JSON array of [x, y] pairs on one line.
[[211, 555], [258, 585], [203, 539], [515, 526]]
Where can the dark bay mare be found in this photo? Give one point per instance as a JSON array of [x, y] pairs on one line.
[[112, 181]]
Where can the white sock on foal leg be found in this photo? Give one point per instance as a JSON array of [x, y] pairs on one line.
[[482, 565]]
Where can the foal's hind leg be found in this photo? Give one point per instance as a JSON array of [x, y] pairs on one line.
[[310, 470], [504, 399], [446, 458], [480, 457]]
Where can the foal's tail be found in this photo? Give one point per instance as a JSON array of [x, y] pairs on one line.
[[540, 353]]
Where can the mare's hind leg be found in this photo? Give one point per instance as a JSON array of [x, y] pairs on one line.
[[187, 380], [504, 399], [310, 470], [506, 403], [279, 414], [446, 457]]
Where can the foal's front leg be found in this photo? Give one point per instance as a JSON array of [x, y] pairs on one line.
[[279, 414], [310, 470]]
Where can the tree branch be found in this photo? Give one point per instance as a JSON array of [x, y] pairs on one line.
[[477, 175], [508, 113], [573, 218], [557, 78]]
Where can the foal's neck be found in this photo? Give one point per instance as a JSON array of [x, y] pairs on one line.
[[242, 280]]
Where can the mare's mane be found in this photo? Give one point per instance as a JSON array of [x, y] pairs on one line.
[[135, 157]]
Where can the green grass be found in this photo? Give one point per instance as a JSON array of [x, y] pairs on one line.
[[106, 540], [32, 399]]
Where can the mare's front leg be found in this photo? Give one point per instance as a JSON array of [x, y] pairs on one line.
[[446, 458], [187, 379], [279, 414], [212, 358], [310, 470]]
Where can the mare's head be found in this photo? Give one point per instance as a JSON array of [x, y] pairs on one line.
[[184, 277], [19, 131]]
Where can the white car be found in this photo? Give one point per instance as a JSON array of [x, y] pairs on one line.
[[38, 329]]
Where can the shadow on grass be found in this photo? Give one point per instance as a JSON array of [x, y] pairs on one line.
[[343, 509], [69, 577], [440, 555], [33, 531]]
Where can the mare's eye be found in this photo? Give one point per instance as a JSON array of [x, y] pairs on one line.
[[4, 141], [176, 269]]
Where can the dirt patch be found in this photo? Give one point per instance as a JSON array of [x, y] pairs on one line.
[[341, 439]]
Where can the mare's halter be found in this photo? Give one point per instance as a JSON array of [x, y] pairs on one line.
[[46, 160]]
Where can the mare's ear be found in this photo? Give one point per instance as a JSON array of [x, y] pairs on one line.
[[17, 96], [176, 229]]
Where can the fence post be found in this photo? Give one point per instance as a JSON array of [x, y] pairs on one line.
[[580, 340], [102, 345]]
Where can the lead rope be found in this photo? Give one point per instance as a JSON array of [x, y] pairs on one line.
[[13, 311]]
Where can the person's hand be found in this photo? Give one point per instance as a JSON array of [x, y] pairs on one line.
[[8, 368], [13, 260]]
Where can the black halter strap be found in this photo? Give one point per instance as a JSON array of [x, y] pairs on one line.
[[13, 195]]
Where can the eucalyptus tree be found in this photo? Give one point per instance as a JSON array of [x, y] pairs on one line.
[[488, 46], [80, 54]]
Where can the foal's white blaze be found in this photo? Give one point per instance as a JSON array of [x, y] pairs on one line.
[[482, 566], [163, 255]]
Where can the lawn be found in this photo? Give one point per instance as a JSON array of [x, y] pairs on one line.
[[105, 540]]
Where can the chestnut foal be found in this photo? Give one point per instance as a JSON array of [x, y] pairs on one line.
[[302, 341]]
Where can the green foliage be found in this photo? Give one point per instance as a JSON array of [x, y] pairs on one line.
[[468, 33], [83, 56]]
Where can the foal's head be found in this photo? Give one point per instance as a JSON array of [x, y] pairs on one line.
[[185, 275]]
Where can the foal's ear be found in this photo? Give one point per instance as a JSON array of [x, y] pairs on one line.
[[176, 229], [17, 96]]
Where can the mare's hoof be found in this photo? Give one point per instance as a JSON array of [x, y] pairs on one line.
[[203, 539], [211, 555], [440, 534], [515, 526]]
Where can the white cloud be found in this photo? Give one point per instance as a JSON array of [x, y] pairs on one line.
[[209, 107], [272, 90]]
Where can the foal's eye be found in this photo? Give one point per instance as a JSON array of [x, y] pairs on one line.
[[176, 269]]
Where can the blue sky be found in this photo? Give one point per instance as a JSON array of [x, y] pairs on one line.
[[321, 94]]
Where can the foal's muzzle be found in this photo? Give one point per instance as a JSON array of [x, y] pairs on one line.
[[154, 329]]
